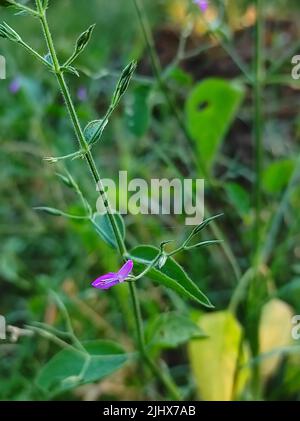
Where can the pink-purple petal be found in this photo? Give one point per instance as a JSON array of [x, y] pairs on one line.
[[125, 269], [105, 280], [107, 285], [110, 279], [203, 4]]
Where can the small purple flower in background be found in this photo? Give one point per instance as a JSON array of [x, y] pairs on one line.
[[82, 94], [203, 4], [113, 278], [15, 86]]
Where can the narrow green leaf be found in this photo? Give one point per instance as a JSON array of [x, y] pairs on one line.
[[203, 244], [204, 224], [50, 211], [171, 275]]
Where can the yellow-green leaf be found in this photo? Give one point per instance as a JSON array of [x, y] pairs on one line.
[[214, 360], [274, 332]]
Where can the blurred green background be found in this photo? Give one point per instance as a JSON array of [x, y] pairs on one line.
[[41, 253]]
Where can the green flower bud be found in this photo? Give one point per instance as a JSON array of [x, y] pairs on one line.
[[84, 39], [7, 32], [123, 82]]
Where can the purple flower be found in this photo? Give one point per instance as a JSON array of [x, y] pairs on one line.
[[203, 4], [110, 279], [15, 86], [82, 94]]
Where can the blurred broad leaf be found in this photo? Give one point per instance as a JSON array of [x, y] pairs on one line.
[[274, 332], [239, 197], [210, 109], [214, 360], [138, 111], [171, 275], [276, 176], [182, 78], [69, 368], [170, 330], [104, 229]]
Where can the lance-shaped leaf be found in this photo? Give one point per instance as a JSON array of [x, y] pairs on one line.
[[171, 275], [203, 244], [57, 212], [204, 224], [49, 211]]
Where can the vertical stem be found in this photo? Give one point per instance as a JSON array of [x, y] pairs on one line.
[[165, 379], [137, 316], [258, 122], [258, 156]]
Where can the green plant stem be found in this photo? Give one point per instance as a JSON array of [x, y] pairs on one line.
[[165, 379], [148, 268], [258, 122], [258, 158], [168, 383]]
